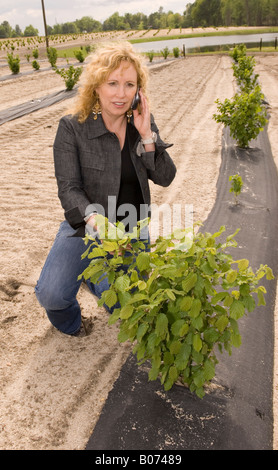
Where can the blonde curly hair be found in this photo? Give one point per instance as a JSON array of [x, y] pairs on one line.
[[103, 62]]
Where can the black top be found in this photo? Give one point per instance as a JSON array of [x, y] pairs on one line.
[[130, 191]]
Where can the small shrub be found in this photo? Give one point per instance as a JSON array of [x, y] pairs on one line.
[[244, 114], [150, 55], [236, 185], [238, 51], [35, 53], [176, 52], [35, 65], [244, 73], [179, 302], [79, 55], [14, 63], [70, 75], [52, 55], [165, 52]]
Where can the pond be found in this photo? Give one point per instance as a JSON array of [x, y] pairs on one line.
[[208, 41]]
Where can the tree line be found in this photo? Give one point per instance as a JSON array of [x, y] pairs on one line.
[[201, 13]]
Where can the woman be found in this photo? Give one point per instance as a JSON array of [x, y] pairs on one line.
[[104, 154]]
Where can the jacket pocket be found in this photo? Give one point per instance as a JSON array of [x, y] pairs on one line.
[[91, 160]]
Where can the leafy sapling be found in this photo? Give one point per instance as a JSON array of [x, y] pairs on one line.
[[236, 185], [177, 303]]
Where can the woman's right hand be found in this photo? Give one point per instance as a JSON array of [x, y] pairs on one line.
[[91, 222]]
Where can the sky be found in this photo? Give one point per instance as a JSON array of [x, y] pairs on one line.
[[26, 12]]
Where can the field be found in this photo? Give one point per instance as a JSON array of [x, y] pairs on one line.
[[53, 387]]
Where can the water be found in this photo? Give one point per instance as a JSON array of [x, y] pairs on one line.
[[201, 42]]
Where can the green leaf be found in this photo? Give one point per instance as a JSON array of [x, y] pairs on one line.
[[124, 298], [249, 303], [243, 264], [109, 246], [185, 303], [197, 342], [183, 356], [195, 308], [110, 298], [170, 294], [261, 299], [189, 282], [142, 330], [122, 283], [199, 378], [236, 340], [173, 373], [153, 373], [237, 309], [231, 276], [168, 358], [141, 285], [161, 326], [143, 261], [114, 316], [178, 326], [211, 260], [175, 347], [211, 335], [221, 323], [197, 323], [97, 252], [126, 312], [209, 370], [219, 297]]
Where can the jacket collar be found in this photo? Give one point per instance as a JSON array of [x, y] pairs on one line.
[[96, 128]]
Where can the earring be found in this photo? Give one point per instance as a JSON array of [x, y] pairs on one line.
[[96, 109], [129, 115]]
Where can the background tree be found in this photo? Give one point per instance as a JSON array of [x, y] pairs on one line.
[[30, 31], [5, 30]]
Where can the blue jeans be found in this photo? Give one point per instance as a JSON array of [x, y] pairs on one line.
[[57, 287]]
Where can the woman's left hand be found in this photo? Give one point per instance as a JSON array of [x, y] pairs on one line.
[[142, 121]]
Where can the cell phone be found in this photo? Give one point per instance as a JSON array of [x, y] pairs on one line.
[[136, 100]]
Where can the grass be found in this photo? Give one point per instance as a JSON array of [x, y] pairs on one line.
[[214, 33], [69, 52]]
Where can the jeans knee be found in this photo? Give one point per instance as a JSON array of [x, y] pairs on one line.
[[50, 298]]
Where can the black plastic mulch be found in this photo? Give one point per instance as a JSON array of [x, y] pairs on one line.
[[238, 414], [34, 105]]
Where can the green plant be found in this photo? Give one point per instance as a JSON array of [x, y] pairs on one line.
[[179, 302], [244, 114], [238, 51], [236, 185], [165, 52], [244, 73], [176, 52], [35, 53], [14, 63], [70, 75], [35, 65], [52, 55], [150, 55], [79, 55]]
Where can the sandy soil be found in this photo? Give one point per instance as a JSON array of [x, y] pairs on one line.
[[53, 387]]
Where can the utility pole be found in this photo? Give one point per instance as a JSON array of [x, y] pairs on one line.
[[45, 25]]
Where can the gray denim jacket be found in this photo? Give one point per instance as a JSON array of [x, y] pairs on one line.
[[87, 159]]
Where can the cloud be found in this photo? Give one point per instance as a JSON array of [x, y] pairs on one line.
[[25, 12]]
